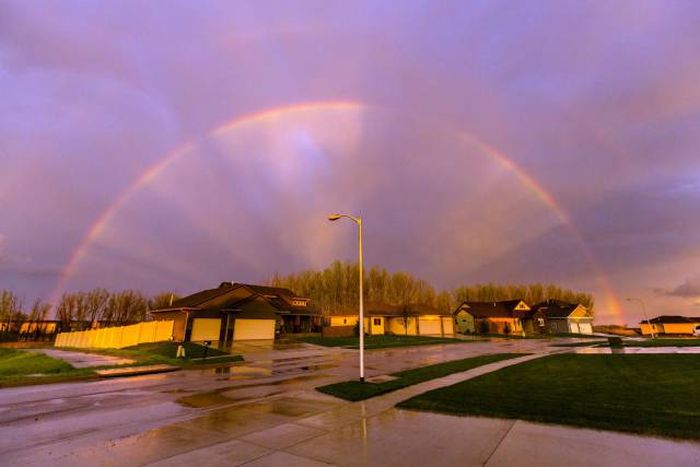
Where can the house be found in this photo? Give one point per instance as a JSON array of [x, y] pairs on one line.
[[236, 312], [670, 325], [409, 320], [558, 317], [503, 317]]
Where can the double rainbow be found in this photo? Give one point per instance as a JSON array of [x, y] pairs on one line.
[[103, 220]]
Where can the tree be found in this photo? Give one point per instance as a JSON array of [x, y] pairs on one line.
[[10, 306], [39, 311], [405, 318], [96, 303], [65, 311], [484, 327], [334, 289], [11, 312], [162, 300], [125, 307]]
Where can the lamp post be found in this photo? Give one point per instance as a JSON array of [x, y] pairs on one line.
[[644, 312], [357, 220]]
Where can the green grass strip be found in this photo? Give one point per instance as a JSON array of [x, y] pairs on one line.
[[663, 342], [580, 344], [19, 368], [18, 362], [357, 391], [655, 394]]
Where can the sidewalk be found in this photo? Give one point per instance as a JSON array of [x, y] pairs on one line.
[[83, 359]]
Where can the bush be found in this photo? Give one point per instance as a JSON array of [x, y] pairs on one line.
[[484, 327]]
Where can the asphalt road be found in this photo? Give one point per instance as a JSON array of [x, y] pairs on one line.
[[263, 411]]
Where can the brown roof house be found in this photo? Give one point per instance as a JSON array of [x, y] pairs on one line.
[[236, 312], [502, 317], [558, 317], [671, 325]]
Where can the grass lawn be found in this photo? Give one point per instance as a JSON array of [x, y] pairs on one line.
[[655, 394], [166, 352], [192, 352], [18, 367], [663, 342], [380, 342], [356, 391]]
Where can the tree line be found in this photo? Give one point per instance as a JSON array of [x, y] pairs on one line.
[[80, 309], [331, 290], [334, 289]]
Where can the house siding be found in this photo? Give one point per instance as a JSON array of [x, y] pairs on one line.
[[465, 322]]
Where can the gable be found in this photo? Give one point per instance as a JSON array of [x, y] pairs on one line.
[[579, 312], [226, 300], [258, 307], [522, 306]]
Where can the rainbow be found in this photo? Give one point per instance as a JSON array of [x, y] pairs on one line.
[[103, 220]]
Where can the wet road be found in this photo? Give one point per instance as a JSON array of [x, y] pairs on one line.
[[230, 414]]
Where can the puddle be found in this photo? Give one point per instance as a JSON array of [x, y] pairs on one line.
[[251, 371], [297, 379], [202, 400]]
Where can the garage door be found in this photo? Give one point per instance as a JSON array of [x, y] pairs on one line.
[[585, 328], [205, 329], [447, 325], [429, 327], [253, 329]]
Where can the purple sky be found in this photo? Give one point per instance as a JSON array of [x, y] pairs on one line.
[[382, 111]]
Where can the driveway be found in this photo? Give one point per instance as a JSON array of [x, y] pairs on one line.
[[266, 412]]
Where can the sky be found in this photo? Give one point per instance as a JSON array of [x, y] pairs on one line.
[[172, 145]]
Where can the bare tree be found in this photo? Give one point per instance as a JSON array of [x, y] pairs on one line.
[[162, 300], [39, 311], [96, 304], [10, 306], [66, 310], [126, 306]]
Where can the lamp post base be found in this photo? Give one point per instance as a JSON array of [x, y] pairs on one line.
[[362, 379]]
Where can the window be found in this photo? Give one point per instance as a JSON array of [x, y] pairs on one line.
[[377, 321], [540, 321], [345, 321]]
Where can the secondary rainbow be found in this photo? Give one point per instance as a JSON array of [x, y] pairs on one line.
[[103, 220]]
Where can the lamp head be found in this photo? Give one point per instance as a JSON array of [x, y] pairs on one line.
[[334, 217]]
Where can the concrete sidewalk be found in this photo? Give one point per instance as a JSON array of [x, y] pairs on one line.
[[83, 359]]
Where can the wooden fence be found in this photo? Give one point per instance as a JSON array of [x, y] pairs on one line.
[[117, 337]]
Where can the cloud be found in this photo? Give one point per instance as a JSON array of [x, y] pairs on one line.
[[688, 289], [578, 93]]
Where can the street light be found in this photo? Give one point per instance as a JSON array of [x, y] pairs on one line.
[[644, 311], [357, 220]]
